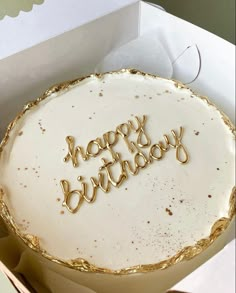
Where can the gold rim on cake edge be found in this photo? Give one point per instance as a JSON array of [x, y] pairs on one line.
[[83, 265]]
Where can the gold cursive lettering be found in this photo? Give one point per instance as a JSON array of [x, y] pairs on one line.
[[108, 141], [73, 152], [107, 166], [68, 194], [116, 165], [143, 140]]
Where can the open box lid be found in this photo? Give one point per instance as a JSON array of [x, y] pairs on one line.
[[51, 19]]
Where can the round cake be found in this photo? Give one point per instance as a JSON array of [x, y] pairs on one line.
[[120, 182]]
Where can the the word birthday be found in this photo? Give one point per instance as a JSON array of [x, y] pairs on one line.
[[106, 179]]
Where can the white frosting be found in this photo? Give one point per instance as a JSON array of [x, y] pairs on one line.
[[129, 225]]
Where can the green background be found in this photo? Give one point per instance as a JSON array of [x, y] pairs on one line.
[[216, 16]]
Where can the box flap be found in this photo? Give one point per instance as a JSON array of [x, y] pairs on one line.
[[50, 19], [206, 278]]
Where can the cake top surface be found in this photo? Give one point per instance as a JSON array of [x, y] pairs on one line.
[[120, 170]]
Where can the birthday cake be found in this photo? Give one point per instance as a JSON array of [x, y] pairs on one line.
[[119, 179]]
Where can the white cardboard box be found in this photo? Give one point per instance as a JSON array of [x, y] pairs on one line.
[[214, 275], [51, 19], [194, 52]]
